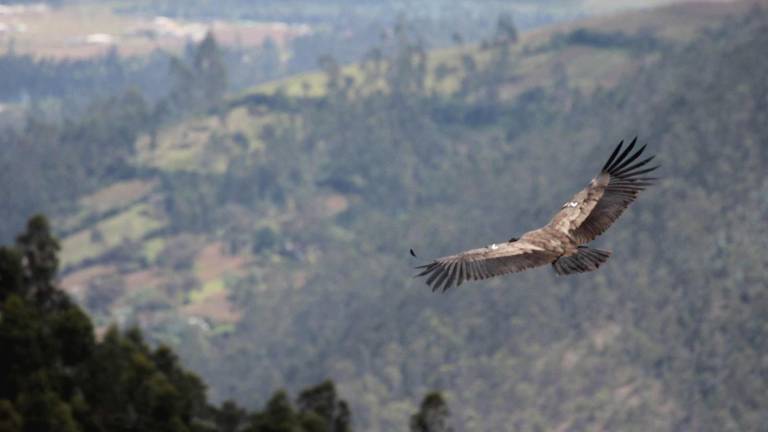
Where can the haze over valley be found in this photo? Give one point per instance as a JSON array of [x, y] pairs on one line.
[[242, 185]]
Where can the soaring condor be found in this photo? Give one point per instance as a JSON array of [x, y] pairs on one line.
[[561, 242]]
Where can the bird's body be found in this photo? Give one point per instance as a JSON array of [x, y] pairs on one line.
[[561, 242]]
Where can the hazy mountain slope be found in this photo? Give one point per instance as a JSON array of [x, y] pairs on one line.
[[300, 211], [663, 338], [139, 210]]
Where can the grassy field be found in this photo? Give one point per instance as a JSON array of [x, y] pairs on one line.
[[90, 29], [129, 225]]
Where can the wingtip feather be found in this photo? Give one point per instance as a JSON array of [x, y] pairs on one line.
[[623, 155], [613, 155]]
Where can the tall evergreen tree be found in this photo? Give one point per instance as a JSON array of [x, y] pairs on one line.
[[40, 259], [200, 82], [278, 416], [210, 70], [322, 409], [230, 417], [433, 415]]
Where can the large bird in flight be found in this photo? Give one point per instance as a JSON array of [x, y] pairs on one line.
[[561, 242]]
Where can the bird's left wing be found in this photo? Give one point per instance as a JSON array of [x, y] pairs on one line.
[[483, 263], [595, 208]]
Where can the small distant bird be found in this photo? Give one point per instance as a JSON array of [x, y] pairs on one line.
[[413, 254], [561, 242]]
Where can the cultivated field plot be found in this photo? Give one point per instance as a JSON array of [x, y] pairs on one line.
[[87, 30]]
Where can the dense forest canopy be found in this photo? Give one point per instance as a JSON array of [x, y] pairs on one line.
[[264, 236]]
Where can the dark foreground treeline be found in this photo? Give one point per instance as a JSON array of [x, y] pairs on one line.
[[57, 375]]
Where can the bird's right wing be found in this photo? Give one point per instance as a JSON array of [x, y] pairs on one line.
[[625, 181], [591, 211], [483, 263]]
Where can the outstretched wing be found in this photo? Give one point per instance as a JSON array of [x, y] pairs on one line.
[[591, 211], [483, 263]]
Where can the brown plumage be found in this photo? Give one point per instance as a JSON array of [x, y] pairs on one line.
[[581, 219]]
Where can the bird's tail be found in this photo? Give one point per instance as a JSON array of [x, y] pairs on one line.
[[585, 259]]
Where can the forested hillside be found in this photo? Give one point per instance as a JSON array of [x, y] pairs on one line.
[[265, 236], [670, 335]]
